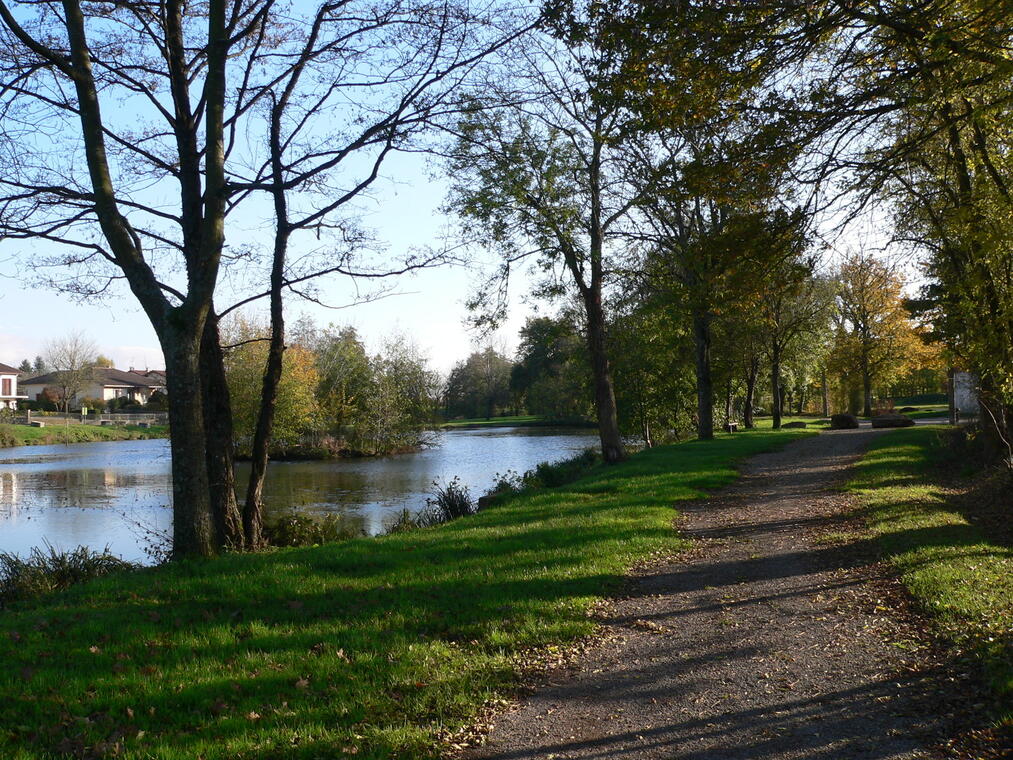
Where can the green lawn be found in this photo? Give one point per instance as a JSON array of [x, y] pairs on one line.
[[25, 435], [956, 573], [372, 647]]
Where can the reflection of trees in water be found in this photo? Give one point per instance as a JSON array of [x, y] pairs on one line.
[[9, 493], [96, 488]]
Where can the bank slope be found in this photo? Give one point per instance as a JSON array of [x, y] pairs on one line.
[[26, 435], [374, 648], [960, 576]]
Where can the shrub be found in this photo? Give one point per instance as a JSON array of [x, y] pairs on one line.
[[405, 522], [7, 437], [506, 484], [93, 405], [450, 501], [544, 475], [554, 474], [47, 570], [445, 503], [298, 529], [157, 402]]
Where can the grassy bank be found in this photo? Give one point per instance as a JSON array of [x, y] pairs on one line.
[[522, 420], [372, 647], [25, 435], [958, 573]]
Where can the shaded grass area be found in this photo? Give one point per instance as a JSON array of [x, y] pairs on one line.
[[25, 435], [959, 574], [372, 647], [925, 411]]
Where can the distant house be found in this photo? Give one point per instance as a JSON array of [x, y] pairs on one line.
[[9, 387], [156, 376], [105, 383]]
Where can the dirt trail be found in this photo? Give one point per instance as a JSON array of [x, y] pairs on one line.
[[765, 643]]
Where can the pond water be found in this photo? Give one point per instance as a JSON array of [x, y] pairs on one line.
[[116, 494]]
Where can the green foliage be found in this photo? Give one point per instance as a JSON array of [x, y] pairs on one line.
[[157, 402], [374, 647], [369, 405], [345, 374], [652, 343], [478, 386], [398, 405], [46, 570], [552, 373], [296, 411]]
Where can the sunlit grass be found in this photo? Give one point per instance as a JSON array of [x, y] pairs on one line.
[[954, 571], [53, 433], [373, 647]]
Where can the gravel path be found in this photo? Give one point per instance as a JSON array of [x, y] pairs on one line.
[[765, 642]]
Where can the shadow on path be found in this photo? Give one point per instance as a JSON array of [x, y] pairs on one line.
[[766, 644]]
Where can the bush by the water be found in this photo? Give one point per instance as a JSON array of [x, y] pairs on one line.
[[544, 475], [295, 529], [445, 502], [7, 437], [450, 501], [47, 569]]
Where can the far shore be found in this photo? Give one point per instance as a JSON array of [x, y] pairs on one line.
[[525, 420], [26, 435]]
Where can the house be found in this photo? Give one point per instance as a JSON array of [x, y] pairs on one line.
[[156, 376], [103, 383], [9, 387]]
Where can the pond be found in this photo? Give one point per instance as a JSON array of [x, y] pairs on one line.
[[116, 494]]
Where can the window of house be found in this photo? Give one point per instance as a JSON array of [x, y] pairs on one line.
[[5, 390]]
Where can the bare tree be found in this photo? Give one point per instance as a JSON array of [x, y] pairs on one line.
[[72, 361], [229, 105]]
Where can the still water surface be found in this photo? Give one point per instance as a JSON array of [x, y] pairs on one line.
[[111, 494]]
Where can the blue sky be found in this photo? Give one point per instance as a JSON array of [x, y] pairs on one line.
[[430, 308]]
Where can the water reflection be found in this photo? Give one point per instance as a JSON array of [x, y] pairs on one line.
[[113, 493]]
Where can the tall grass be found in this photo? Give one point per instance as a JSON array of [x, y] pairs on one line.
[[48, 569]]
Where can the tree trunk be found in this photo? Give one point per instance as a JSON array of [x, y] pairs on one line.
[[253, 508], [221, 452], [704, 383], [193, 531], [775, 385], [826, 393], [728, 402], [867, 394], [605, 400], [751, 376]]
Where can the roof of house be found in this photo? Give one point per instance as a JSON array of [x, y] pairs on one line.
[[9, 370], [106, 376], [157, 375]]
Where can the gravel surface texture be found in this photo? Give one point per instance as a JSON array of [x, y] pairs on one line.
[[766, 641]]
